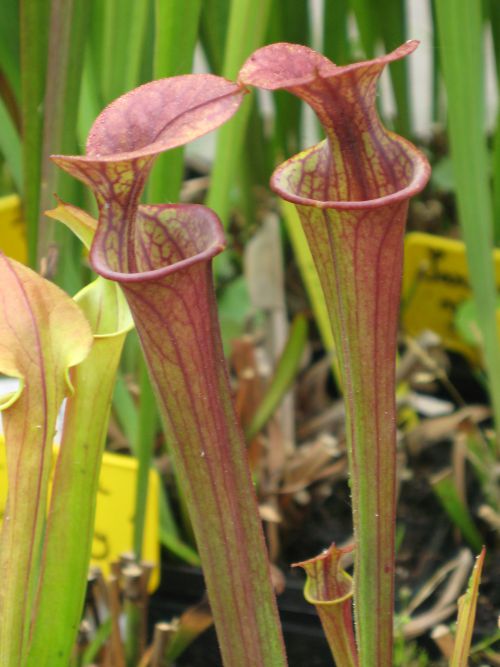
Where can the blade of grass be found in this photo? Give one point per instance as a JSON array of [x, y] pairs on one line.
[[366, 20], [119, 34], [311, 280], [482, 457], [283, 377], [386, 22], [68, 30], [393, 31], [147, 50], [141, 438], [139, 424], [10, 101], [128, 415], [169, 533], [131, 354], [494, 10], [213, 31], [467, 615], [191, 624], [34, 20], [120, 43], [96, 30], [101, 636], [485, 643], [255, 170], [179, 548], [125, 410], [445, 489], [137, 18], [496, 183], [9, 45], [246, 31], [461, 31], [92, 100], [167, 521], [336, 44], [176, 34], [175, 37], [436, 70], [147, 428], [288, 22], [10, 146]]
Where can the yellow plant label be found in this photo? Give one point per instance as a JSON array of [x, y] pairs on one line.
[[436, 282], [12, 229], [113, 532]]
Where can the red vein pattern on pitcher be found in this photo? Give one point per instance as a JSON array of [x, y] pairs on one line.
[[161, 255], [351, 192]]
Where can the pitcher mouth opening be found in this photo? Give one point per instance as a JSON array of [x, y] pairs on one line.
[[211, 245], [416, 183]]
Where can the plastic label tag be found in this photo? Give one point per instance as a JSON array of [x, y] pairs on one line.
[[114, 527], [435, 283], [12, 228]]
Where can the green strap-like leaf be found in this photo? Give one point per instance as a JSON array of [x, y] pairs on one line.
[[284, 375], [176, 33], [446, 490], [10, 146], [461, 31], [43, 333], [70, 525], [34, 22], [246, 31]]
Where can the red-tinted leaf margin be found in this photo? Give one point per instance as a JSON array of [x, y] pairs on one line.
[[161, 256], [284, 65], [329, 588], [351, 191], [160, 115], [43, 334], [123, 143], [327, 88]]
